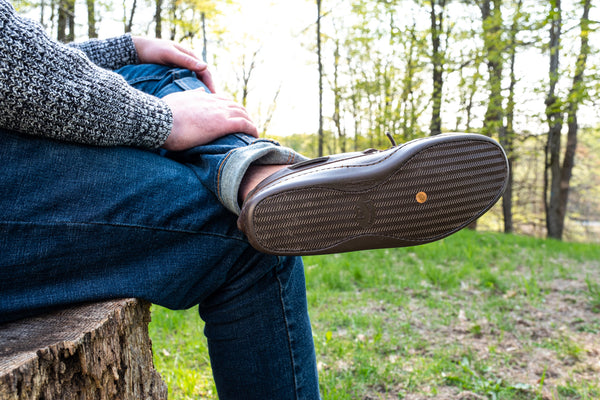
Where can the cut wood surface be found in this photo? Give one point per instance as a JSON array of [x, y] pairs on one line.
[[93, 351]]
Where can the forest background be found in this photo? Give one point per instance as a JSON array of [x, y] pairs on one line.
[[330, 76]]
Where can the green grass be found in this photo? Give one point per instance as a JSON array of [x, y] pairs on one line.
[[593, 293], [181, 353], [497, 316]]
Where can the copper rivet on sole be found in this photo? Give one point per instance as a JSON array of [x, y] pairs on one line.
[[421, 197]]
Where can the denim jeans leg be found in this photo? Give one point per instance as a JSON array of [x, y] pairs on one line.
[[220, 166], [232, 154], [277, 326], [82, 223]]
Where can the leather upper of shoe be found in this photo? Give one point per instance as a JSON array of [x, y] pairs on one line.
[[342, 170], [318, 165], [309, 165]]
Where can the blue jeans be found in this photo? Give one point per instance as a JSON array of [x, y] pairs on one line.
[[82, 223]]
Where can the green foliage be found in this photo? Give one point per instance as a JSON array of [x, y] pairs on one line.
[[379, 63], [593, 294], [181, 353], [476, 312], [481, 379]]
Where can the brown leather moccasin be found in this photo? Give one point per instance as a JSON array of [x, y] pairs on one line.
[[408, 195]]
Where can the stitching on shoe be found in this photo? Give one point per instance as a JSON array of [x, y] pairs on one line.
[[310, 170]]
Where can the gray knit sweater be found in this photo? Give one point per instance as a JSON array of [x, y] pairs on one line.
[[68, 93]]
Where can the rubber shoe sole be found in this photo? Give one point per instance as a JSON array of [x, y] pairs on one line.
[[409, 195]]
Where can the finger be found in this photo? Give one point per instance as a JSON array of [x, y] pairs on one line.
[[243, 125], [237, 110], [233, 108], [187, 59], [202, 72], [200, 65], [186, 51], [173, 56], [191, 63], [206, 77]]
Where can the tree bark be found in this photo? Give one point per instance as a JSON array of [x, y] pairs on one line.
[[158, 18], [508, 134], [337, 98], [66, 19], [491, 19], [129, 22], [320, 67], [174, 17], [95, 351], [554, 116], [407, 112], [437, 58], [492, 28], [558, 202], [204, 38], [91, 10]]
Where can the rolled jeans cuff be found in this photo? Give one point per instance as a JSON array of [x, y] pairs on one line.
[[236, 163]]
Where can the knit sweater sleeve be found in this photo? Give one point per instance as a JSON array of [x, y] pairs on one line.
[[112, 53], [52, 90]]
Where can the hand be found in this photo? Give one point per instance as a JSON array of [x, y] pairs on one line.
[[164, 52], [200, 117]]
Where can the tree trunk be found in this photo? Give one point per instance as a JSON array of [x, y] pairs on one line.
[[66, 19], [158, 19], [61, 23], [320, 66], [508, 134], [492, 28], [173, 11], [270, 112], [491, 17], [42, 9], [71, 34], [91, 11], [246, 76], [129, 23], [576, 94], [204, 39], [437, 58], [337, 98], [554, 115], [94, 351], [407, 112]]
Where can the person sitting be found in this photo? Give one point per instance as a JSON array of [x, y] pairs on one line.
[[126, 175]]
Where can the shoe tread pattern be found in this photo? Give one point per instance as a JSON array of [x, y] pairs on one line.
[[462, 180]]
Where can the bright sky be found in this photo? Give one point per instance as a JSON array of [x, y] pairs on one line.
[[276, 29], [277, 26], [273, 26], [284, 31]]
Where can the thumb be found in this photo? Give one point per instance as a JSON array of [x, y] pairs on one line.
[[186, 58], [188, 62]]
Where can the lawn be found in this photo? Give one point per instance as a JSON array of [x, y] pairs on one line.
[[474, 316]]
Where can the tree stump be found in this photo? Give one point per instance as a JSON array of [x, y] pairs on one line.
[[94, 351]]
